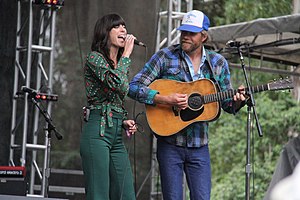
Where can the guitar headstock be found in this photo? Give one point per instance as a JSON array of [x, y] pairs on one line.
[[281, 84]]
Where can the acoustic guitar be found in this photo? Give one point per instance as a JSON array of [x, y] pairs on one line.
[[203, 103]]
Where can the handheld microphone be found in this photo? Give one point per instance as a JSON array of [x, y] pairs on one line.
[[139, 43], [136, 42]]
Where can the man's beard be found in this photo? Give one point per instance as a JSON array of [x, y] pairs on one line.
[[188, 47]]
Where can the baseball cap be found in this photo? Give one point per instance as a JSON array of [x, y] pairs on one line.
[[194, 21]]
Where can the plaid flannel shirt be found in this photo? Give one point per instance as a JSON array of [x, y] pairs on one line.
[[168, 63]]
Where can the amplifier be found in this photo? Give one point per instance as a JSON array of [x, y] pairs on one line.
[[13, 186], [12, 180]]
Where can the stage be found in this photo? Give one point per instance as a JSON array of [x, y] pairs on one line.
[[13, 197]]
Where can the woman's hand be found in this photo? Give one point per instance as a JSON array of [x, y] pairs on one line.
[[129, 44], [130, 127]]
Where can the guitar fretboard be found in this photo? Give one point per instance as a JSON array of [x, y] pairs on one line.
[[230, 93]]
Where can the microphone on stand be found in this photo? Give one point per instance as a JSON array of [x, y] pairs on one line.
[[31, 92], [232, 43], [28, 90]]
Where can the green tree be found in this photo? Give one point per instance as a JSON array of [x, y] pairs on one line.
[[278, 113], [245, 10], [223, 12]]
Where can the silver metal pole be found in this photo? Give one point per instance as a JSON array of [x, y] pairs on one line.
[[46, 169], [28, 71], [296, 6], [36, 111], [170, 12], [16, 80]]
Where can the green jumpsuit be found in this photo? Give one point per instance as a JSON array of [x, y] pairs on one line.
[[105, 162]]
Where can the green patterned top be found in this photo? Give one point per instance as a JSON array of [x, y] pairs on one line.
[[106, 88]]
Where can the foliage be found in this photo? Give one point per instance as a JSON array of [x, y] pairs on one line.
[[278, 113], [223, 12], [236, 10], [228, 138]]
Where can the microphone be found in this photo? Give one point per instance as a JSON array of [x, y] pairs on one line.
[[28, 90], [139, 43], [136, 42], [232, 43]]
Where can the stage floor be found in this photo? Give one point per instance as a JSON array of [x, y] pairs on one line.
[[12, 197]]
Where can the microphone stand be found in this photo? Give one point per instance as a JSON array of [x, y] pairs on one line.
[[250, 104], [49, 128]]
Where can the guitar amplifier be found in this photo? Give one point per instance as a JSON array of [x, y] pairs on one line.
[[12, 180]]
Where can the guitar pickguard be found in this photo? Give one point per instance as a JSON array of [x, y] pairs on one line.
[[188, 114], [195, 108]]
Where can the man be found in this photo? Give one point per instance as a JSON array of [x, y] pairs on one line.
[[186, 151]]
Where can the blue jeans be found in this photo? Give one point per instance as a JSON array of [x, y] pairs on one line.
[[194, 162]]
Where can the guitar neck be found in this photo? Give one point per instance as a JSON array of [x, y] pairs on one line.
[[230, 93]]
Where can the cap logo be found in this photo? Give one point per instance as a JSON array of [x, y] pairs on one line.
[[188, 18], [194, 21]]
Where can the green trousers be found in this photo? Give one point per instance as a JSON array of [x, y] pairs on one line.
[[105, 162]]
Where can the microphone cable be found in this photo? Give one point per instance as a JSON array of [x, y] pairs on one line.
[[140, 129]]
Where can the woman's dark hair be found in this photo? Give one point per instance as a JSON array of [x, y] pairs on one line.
[[101, 35]]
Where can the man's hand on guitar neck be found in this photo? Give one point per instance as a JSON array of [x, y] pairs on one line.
[[240, 97], [180, 101]]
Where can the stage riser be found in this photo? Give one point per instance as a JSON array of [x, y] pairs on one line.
[[16, 190], [12, 197]]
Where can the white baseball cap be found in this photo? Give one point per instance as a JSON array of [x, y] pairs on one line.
[[194, 21]]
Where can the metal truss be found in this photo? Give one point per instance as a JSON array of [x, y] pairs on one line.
[[29, 68], [168, 21]]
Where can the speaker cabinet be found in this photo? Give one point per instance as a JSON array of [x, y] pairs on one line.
[[13, 186]]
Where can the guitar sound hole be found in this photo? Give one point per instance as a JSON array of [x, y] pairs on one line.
[[195, 108], [195, 101]]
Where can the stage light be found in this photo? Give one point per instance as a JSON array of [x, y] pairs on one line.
[[32, 93], [45, 97], [50, 2]]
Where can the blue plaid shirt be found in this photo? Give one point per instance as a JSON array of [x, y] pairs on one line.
[[170, 63]]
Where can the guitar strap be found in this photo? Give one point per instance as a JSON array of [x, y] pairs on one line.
[[210, 67], [208, 55]]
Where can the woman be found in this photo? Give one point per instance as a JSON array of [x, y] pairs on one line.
[[105, 160]]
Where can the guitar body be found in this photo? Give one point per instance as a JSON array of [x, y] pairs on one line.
[[166, 120], [203, 103]]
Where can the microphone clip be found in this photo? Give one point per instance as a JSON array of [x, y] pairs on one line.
[[233, 43]]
